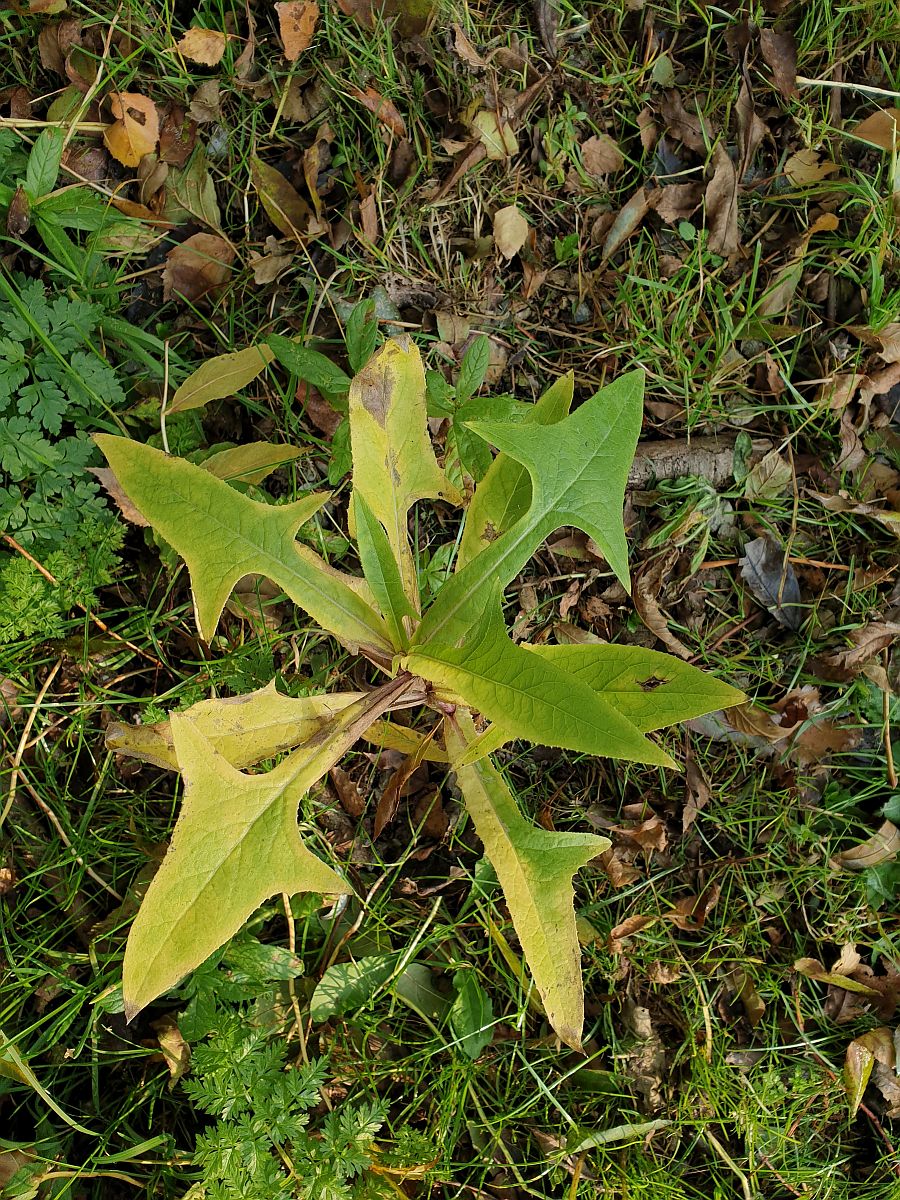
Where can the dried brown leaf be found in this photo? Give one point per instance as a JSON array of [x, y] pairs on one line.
[[465, 49], [865, 643], [297, 24], [510, 230], [203, 46], [198, 267], [381, 108], [881, 129], [689, 128], [647, 587], [600, 155], [721, 205], [779, 51]]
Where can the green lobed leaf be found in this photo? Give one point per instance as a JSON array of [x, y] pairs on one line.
[[527, 694], [579, 469], [223, 536], [381, 571], [535, 868], [235, 844], [504, 494]]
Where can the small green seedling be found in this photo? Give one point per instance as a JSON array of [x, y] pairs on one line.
[[237, 840]]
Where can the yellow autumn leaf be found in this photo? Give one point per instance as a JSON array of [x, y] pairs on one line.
[[135, 131]]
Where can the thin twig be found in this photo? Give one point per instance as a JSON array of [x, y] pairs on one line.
[[20, 749], [886, 713], [846, 87]]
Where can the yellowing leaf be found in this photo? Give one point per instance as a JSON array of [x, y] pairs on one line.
[[198, 515], [221, 376], [393, 460], [286, 208], [135, 131], [510, 230], [243, 729], [535, 869], [503, 496], [251, 462], [495, 134], [526, 694], [204, 46]]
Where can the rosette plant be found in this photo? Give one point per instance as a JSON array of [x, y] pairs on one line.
[[237, 840]]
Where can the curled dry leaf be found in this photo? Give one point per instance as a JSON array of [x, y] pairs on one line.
[[627, 220], [510, 230], [647, 587], [297, 23], [866, 642], [203, 46], [881, 847], [872, 1058], [135, 131], [200, 266]]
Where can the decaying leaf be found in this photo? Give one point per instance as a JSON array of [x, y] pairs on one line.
[[203, 46], [286, 208], [721, 205], [780, 53], [808, 166], [770, 577], [627, 221], [175, 1049], [601, 156], [382, 109], [198, 267], [296, 23], [135, 131], [865, 643], [495, 134], [510, 230]]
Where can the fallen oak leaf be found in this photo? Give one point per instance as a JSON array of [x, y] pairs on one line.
[[135, 131], [203, 46], [721, 205], [198, 267]]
